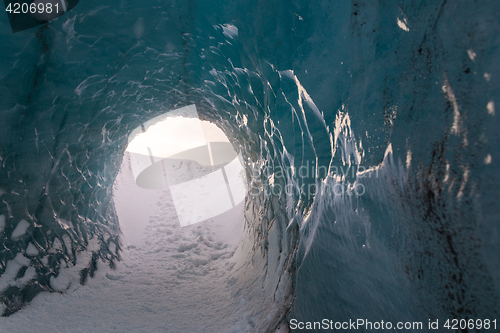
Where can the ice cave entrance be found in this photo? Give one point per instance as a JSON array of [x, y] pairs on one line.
[[190, 159]]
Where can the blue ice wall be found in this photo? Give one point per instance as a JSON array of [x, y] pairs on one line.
[[394, 98]]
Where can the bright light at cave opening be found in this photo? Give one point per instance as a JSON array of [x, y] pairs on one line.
[[174, 135], [193, 159]]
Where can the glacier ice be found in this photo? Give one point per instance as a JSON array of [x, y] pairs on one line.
[[397, 99]]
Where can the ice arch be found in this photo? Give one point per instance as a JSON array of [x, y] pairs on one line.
[[345, 85]]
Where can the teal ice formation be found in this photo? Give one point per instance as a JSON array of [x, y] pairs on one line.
[[391, 105]]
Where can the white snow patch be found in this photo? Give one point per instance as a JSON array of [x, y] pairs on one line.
[[63, 281], [171, 279], [403, 24], [29, 275], [31, 250], [201, 198], [487, 159], [20, 229], [447, 173]]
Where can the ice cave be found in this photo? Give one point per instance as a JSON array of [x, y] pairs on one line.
[[250, 166]]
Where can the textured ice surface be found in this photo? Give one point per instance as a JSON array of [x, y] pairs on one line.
[[395, 99], [19, 230]]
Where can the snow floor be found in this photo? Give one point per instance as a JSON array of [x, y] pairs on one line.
[[171, 279]]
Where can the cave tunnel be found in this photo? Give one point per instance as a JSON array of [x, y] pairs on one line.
[[358, 183]]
